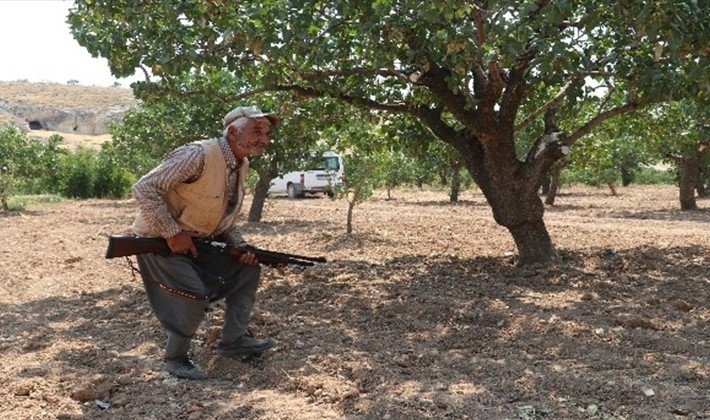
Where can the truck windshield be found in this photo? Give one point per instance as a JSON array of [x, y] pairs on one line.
[[329, 163]]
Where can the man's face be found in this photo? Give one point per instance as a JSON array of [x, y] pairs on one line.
[[253, 138]]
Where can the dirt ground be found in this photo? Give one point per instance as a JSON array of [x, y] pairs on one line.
[[419, 315]]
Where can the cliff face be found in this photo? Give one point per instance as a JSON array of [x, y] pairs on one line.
[[64, 108], [65, 120]]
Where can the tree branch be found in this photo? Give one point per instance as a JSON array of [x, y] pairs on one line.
[[435, 80], [432, 119], [478, 15], [599, 119], [555, 101], [315, 93]]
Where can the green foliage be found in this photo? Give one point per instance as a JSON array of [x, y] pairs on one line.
[[49, 156], [419, 158], [22, 161], [86, 173], [614, 152], [593, 177], [112, 180], [365, 161], [426, 60], [651, 176], [480, 76], [363, 174], [399, 170], [29, 166], [77, 174], [148, 133]]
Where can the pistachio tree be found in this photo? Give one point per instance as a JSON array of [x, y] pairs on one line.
[[465, 69], [680, 131]]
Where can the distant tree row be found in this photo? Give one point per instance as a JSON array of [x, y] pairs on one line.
[[32, 166], [511, 87]]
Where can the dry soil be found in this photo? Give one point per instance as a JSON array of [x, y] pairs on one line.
[[421, 314]]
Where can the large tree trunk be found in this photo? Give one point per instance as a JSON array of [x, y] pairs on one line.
[[511, 188], [522, 214], [533, 242], [488, 149], [689, 174], [517, 206], [260, 194]]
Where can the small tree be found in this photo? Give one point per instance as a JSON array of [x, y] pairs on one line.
[[363, 173], [365, 161], [681, 131]]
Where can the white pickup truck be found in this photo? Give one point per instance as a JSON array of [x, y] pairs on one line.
[[321, 178]]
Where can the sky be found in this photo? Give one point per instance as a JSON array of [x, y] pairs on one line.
[[36, 45]]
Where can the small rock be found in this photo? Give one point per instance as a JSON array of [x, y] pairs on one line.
[[195, 407], [631, 321], [24, 390], [83, 394], [682, 305], [172, 381]]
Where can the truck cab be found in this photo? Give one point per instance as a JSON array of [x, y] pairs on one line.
[[321, 178]]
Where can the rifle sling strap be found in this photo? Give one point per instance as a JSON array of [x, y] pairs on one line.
[[168, 289]]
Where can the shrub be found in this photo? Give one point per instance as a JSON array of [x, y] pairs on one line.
[[86, 173]]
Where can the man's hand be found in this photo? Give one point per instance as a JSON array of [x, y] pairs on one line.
[[182, 244], [248, 258]]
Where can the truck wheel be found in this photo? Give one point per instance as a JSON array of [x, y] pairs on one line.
[[291, 190]]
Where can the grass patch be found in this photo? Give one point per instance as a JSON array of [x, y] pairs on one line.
[[20, 202]]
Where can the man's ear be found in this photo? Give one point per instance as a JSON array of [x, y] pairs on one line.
[[232, 131]]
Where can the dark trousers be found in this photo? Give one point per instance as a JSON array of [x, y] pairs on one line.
[[180, 288]]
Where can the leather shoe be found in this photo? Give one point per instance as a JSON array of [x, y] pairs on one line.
[[185, 369], [246, 345]]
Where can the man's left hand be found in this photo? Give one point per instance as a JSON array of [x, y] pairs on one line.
[[248, 258]]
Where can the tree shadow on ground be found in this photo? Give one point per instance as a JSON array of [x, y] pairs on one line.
[[283, 228], [21, 213], [699, 215], [470, 336], [444, 202], [582, 332]]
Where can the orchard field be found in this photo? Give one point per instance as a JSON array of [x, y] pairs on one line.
[[421, 314]]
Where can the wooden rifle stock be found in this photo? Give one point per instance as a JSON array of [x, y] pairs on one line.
[[127, 245]]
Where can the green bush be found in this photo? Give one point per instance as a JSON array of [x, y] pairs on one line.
[[86, 173], [111, 181], [22, 162], [77, 174], [650, 176]]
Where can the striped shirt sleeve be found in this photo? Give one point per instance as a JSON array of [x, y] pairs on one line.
[[184, 164]]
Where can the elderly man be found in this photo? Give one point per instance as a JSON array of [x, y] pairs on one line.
[[198, 190]]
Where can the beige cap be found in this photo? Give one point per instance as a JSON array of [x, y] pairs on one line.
[[250, 112]]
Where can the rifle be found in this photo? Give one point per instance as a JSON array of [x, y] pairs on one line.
[[126, 245]]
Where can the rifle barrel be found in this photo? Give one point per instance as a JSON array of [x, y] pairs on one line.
[[127, 245]]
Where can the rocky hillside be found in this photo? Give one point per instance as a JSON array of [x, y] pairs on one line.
[[70, 109]]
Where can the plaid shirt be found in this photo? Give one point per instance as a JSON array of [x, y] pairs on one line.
[[184, 165]]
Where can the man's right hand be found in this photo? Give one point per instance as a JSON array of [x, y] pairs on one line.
[[182, 244]]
